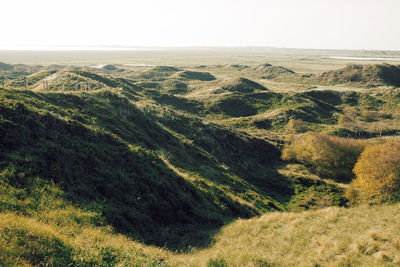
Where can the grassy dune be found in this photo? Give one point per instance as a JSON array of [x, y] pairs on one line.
[[362, 236], [368, 75], [181, 166], [157, 176]]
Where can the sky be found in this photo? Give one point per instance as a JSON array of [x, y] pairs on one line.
[[324, 24]]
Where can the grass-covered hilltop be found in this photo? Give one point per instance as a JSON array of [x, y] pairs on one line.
[[245, 160]]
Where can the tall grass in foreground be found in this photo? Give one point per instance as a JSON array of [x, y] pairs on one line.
[[362, 236], [30, 242]]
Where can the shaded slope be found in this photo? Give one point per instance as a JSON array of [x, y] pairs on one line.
[[134, 190], [196, 75], [361, 236], [157, 175], [159, 72], [242, 85], [269, 71], [109, 81], [308, 106], [102, 151], [176, 102], [68, 241], [110, 67], [233, 106], [372, 75], [175, 87], [5, 66]]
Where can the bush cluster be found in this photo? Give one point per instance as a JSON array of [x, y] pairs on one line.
[[377, 173], [372, 169], [329, 156]]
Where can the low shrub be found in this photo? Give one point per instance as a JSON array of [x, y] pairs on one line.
[[378, 173], [328, 156]]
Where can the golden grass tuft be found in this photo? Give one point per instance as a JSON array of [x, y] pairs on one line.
[[362, 236], [27, 241]]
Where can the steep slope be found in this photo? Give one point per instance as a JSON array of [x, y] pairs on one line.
[[52, 138], [158, 176], [139, 173]]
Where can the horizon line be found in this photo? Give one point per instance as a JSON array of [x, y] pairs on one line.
[[160, 48]]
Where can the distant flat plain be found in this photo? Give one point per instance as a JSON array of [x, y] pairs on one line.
[[300, 60]]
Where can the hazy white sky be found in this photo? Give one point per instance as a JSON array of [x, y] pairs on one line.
[[348, 24]]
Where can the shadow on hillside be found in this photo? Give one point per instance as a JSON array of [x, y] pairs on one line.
[[220, 155], [103, 152], [134, 190], [178, 103]]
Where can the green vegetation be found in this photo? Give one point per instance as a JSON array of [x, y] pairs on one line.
[[195, 75], [82, 158], [378, 172], [170, 166], [368, 75], [110, 67], [362, 236], [5, 66], [159, 72], [243, 85], [176, 87], [330, 157], [111, 158], [268, 71], [32, 79]]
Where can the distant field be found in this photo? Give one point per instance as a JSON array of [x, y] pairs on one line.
[[301, 60]]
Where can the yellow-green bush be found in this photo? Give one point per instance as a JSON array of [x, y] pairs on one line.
[[329, 156], [378, 171]]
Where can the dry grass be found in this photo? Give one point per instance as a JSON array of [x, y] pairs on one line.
[[25, 241], [363, 236]]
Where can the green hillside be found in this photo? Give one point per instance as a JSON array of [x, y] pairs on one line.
[[167, 166], [370, 75], [155, 176], [243, 85]]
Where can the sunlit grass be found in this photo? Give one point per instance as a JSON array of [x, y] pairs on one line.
[[363, 236]]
